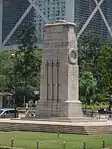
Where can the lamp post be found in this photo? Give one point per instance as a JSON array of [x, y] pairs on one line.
[[14, 91], [36, 93], [14, 64]]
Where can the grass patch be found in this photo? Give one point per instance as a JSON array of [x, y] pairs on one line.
[[27, 140]]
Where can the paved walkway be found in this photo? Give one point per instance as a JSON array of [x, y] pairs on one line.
[[87, 123]]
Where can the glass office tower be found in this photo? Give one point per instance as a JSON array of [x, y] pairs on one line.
[[12, 11], [52, 10], [85, 13], [100, 23]]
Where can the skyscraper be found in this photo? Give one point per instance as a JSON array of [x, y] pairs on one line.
[[54, 10], [89, 15], [12, 12], [94, 16]]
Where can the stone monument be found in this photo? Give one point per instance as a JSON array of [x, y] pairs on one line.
[[59, 87]]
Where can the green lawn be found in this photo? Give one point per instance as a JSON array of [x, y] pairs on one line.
[[27, 140]]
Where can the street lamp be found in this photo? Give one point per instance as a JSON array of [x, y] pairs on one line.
[[14, 91], [14, 63], [36, 93]]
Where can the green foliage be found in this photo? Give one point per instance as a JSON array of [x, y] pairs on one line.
[[98, 97], [87, 86], [3, 84], [95, 106], [105, 68], [96, 58], [28, 59], [6, 70], [20, 69], [89, 48]]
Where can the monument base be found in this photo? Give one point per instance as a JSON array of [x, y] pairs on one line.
[[74, 109], [68, 110]]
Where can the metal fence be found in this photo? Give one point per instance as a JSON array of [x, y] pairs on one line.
[[64, 146]]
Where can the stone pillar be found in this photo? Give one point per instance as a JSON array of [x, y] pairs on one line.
[[59, 89]]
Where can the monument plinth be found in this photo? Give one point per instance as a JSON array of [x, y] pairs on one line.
[[59, 87]]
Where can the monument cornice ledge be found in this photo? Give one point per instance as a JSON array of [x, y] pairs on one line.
[[72, 101], [60, 22]]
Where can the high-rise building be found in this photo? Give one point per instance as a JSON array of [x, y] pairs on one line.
[[89, 15], [94, 16], [11, 13], [53, 10]]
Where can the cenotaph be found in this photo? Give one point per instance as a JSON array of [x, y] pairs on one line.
[[59, 87]]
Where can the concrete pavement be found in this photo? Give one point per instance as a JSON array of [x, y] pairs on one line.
[[87, 123]]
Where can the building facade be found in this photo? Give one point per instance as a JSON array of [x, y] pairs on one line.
[[94, 16], [89, 15], [11, 14]]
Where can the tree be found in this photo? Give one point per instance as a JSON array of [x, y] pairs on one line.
[[105, 68], [6, 71], [87, 86], [28, 60], [89, 46], [20, 69]]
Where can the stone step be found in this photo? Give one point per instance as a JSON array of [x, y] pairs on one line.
[[91, 130], [64, 119]]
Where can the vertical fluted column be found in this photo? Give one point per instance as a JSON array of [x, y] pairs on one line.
[[57, 65], [47, 81], [52, 80]]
